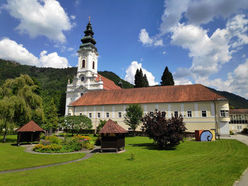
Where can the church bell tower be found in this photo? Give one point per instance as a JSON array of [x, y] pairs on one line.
[[87, 76]]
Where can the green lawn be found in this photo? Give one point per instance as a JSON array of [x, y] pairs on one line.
[[13, 157], [192, 163]]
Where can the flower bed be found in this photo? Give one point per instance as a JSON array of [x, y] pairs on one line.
[[53, 144]]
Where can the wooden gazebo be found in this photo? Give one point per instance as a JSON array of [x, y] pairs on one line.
[[29, 132], [112, 136]]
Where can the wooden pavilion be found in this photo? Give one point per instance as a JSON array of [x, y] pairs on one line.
[[112, 136], [29, 132]]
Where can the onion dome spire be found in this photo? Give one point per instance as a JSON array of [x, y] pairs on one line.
[[88, 41]]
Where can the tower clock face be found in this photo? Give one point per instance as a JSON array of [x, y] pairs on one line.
[[82, 78]]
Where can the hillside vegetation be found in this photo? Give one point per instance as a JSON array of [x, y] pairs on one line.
[[53, 82]]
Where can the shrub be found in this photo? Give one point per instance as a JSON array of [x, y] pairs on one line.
[[231, 132], [88, 146], [73, 145], [166, 133], [47, 148], [53, 139]]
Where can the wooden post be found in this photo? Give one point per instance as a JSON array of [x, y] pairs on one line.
[[18, 138], [32, 137]]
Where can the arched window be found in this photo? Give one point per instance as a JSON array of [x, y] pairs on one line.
[[93, 65], [83, 64]]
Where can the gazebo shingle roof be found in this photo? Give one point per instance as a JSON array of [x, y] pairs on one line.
[[30, 127], [112, 127]]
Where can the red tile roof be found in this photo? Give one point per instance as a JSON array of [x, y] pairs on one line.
[[30, 127], [238, 111], [158, 94], [107, 84], [112, 127]]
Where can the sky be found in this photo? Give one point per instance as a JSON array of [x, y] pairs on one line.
[[201, 41]]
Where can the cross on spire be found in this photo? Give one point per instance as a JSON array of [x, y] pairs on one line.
[[89, 18]]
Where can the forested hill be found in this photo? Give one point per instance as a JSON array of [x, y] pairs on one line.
[[53, 82]]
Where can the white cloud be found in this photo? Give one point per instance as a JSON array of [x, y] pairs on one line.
[[131, 70], [172, 14], [182, 21], [40, 17], [164, 52], [236, 81], [204, 11], [208, 53], [145, 39], [10, 50], [159, 43], [53, 60], [182, 81], [73, 17]]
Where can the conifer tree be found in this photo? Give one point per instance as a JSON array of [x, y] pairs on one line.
[[137, 79], [146, 83], [167, 78], [140, 80]]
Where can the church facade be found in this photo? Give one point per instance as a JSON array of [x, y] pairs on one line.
[[99, 98]]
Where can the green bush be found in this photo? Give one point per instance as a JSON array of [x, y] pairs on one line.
[[73, 145], [47, 148], [231, 132], [53, 139]]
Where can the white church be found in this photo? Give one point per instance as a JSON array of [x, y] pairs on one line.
[[99, 98]]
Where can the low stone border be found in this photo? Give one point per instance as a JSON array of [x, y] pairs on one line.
[[29, 148]]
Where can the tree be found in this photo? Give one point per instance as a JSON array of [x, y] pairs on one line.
[[100, 126], [140, 80], [19, 103], [77, 123], [7, 113], [146, 83], [167, 78], [51, 117], [167, 133], [133, 116]]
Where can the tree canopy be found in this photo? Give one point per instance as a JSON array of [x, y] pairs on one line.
[[77, 123], [133, 116], [20, 103], [167, 133], [167, 78]]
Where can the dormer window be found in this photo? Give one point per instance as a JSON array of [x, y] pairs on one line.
[[93, 65], [83, 64]]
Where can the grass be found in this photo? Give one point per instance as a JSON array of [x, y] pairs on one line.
[[13, 157], [191, 163]]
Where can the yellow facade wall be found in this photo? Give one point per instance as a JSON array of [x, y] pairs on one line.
[[196, 122]]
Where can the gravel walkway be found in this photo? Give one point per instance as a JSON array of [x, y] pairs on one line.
[[243, 181]]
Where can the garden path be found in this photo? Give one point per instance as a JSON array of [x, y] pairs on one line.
[[87, 156]]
